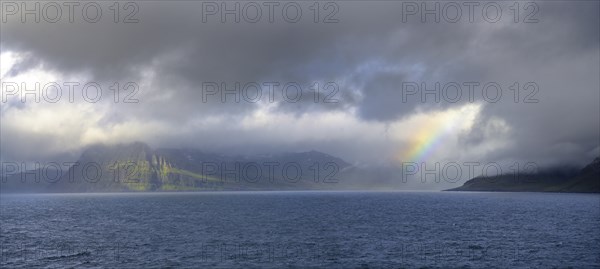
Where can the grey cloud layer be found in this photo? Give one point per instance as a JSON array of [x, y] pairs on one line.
[[369, 53]]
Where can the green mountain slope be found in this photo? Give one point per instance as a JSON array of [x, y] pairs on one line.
[[137, 167]]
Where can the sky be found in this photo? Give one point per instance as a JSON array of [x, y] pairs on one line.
[[529, 80]]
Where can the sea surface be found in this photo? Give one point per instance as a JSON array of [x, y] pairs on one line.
[[300, 230]]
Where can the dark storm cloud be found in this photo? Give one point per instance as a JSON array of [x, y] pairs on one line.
[[368, 54], [560, 54]]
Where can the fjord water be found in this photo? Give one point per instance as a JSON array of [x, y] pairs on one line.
[[301, 230]]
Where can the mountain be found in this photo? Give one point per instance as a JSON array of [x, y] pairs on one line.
[[137, 167], [586, 180]]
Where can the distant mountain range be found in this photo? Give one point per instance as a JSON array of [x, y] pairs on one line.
[[137, 167], [587, 180]]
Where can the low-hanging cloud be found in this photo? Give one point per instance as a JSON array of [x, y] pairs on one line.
[[369, 54]]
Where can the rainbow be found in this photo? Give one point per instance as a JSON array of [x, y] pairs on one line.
[[428, 141], [434, 131]]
